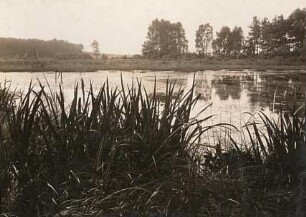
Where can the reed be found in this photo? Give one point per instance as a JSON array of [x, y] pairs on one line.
[[122, 151], [273, 161], [112, 151]]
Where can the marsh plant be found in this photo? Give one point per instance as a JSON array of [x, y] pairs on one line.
[[124, 152]]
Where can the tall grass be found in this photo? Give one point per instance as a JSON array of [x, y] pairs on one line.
[[274, 160], [111, 151], [122, 151]]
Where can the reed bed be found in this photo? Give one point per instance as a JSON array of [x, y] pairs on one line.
[[124, 152]]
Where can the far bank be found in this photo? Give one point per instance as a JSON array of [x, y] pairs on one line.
[[195, 64]]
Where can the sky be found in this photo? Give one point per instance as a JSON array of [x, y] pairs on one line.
[[120, 26]]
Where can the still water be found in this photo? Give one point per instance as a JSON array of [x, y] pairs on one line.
[[233, 94]]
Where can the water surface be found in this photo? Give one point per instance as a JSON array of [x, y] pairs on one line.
[[232, 93]]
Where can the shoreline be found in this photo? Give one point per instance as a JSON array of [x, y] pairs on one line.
[[180, 65]]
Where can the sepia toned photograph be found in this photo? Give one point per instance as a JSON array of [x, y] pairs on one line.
[[152, 108]]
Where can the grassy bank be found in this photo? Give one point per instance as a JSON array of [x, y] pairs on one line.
[[82, 65], [124, 153]]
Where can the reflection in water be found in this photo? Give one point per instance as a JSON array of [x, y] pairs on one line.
[[253, 90], [232, 93]]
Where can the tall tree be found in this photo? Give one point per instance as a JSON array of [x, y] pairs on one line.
[[165, 39], [297, 28], [204, 37], [236, 41], [266, 42], [229, 42], [95, 47], [221, 45], [280, 36], [254, 36]]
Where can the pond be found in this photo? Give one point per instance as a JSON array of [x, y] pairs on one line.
[[233, 94]]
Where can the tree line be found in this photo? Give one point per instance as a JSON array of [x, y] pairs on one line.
[[266, 38], [27, 48]]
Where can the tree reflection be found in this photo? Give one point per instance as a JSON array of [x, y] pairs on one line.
[[263, 90], [228, 86]]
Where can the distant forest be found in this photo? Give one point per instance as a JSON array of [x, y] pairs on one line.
[[28, 48]]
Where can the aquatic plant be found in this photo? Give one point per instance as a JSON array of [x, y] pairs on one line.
[[122, 147], [123, 151]]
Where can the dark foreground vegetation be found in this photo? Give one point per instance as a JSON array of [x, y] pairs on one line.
[[126, 153]]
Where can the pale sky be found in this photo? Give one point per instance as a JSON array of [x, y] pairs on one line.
[[120, 26]]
